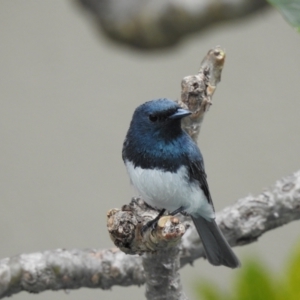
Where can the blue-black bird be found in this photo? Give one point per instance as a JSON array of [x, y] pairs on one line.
[[167, 170]]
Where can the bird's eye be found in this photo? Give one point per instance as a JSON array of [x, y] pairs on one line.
[[153, 118]]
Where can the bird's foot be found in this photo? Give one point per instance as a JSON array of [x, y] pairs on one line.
[[179, 210], [153, 223]]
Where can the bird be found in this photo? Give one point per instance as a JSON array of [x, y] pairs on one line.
[[166, 168]]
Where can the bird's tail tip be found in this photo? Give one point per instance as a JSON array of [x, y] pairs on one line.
[[217, 249]]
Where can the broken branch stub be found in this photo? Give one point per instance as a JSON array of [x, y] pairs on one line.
[[125, 224]]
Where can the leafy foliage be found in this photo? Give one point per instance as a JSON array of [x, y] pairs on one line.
[[290, 10], [256, 282]]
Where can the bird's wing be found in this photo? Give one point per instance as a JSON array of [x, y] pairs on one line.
[[197, 172]]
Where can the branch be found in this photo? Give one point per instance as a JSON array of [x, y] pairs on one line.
[[159, 246], [124, 227], [167, 284], [62, 269], [151, 24], [242, 223]]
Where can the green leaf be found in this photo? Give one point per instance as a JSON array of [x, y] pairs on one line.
[[293, 275], [290, 10], [208, 291], [254, 283]]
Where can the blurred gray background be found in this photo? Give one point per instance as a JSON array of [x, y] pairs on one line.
[[67, 96]]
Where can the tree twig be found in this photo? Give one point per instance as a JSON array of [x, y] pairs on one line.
[[197, 90]]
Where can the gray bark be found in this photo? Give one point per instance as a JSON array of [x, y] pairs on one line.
[[62, 269], [162, 275]]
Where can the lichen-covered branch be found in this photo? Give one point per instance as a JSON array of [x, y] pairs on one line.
[[152, 24], [62, 269], [242, 223]]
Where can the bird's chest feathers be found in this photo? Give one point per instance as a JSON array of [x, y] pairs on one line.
[[169, 190], [159, 188]]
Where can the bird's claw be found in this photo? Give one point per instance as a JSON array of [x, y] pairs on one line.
[[153, 223], [149, 225]]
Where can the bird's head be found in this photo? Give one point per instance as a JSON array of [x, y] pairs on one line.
[[158, 117]]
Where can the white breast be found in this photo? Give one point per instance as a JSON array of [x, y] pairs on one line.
[[168, 190]]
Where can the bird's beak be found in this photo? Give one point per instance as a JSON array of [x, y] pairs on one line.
[[180, 113]]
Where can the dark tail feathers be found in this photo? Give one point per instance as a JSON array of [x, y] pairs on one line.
[[217, 250]]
